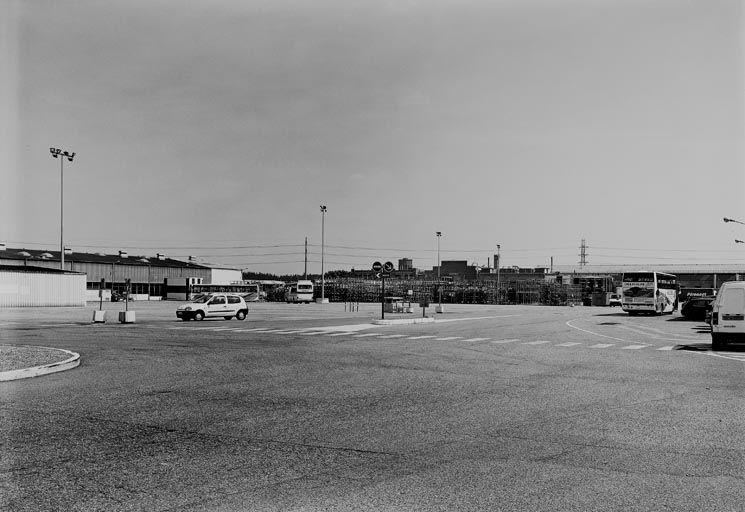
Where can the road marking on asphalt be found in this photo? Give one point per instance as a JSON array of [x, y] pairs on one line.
[[476, 339], [390, 336], [505, 341], [538, 342], [341, 334], [474, 318], [602, 345], [569, 344], [316, 333], [633, 347], [667, 348], [367, 335], [448, 338], [419, 337], [569, 323], [655, 337]]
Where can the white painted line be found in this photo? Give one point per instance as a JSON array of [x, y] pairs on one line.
[[633, 347], [569, 323], [390, 336], [538, 342], [505, 341], [473, 318], [366, 335], [602, 345], [448, 338], [476, 339], [569, 344], [341, 334], [311, 333], [256, 329], [419, 337], [667, 348]]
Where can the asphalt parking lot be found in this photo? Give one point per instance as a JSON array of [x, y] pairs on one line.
[[310, 407]]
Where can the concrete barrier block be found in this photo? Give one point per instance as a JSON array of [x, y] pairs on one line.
[[99, 317], [126, 317]]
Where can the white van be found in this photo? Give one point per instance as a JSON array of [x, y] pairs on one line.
[[728, 314]]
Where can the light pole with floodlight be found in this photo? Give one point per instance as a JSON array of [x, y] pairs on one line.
[[56, 152], [499, 258], [323, 227], [439, 264]]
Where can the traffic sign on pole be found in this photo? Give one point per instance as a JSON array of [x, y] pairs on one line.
[[388, 267], [377, 266]]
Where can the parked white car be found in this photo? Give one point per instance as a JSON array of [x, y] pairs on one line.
[[225, 305], [728, 315]]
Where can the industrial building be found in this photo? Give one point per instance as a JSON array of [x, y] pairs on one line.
[[148, 276]]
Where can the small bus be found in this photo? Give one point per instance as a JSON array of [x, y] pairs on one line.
[[649, 292], [301, 291]]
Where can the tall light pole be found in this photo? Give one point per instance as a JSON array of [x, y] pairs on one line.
[[323, 227], [56, 153], [439, 264], [497, 265]]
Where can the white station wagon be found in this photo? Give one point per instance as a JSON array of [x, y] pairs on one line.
[[225, 305]]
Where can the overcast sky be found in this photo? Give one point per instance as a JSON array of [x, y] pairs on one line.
[[532, 124]]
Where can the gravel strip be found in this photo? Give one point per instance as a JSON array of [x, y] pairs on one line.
[[20, 357]]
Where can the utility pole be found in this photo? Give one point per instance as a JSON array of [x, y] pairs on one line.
[[305, 271]]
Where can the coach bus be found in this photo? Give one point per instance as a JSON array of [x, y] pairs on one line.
[[249, 292], [649, 292], [301, 291]]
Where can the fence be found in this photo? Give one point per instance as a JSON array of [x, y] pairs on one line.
[[466, 292]]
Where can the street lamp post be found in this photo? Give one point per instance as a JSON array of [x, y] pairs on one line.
[[439, 264], [323, 234], [56, 152], [732, 220]]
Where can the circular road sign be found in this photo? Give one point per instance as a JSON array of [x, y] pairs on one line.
[[388, 266], [377, 266]]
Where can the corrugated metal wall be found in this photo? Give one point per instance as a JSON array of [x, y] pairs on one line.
[[118, 272], [23, 289]]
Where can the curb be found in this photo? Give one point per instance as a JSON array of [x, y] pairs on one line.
[[36, 371], [403, 321]]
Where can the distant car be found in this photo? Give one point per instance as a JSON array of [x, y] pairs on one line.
[[697, 308], [615, 299], [225, 305]]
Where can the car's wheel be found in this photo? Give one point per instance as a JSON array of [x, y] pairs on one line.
[[241, 315], [199, 316]]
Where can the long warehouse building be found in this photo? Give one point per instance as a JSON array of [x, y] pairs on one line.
[[149, 276]]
